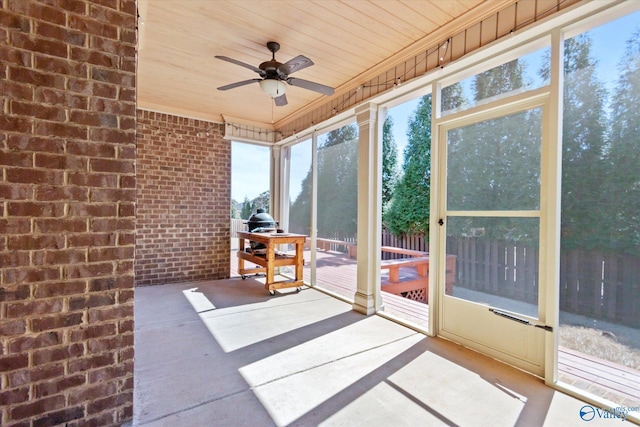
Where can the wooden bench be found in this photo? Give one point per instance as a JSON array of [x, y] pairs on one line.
[[416, 289], [329, 244]]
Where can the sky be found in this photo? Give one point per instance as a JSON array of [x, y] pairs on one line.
[[250, 163]]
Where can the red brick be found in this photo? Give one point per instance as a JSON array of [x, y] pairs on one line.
[[44, 29], [14, 226], [13, 158], [92, 362], [92, 239], [15, 22], [12, 327], [91, 149], [31, 275], [16, 124], [34, 143], [13, 362], [91, 56], [63, 225], [59, 257], [32, 307], [37, 407], [56, 322], [91, 26], [59, 353], [68, 193], [126, 210], [92, 210], [93, 180], [110, 135], [14, 258], [50, 388], [94, 119], [37, 44], [112, 195], [16, 90], [103, 44], [38, 11], [61, 417], [34, 176], [95, 391], [58, 161], [115, 312], [109, 373], [21, 58], [36, 77], [13, 396], [32, 342], [91, 301], [104, 330], [61, 66], [36, 209], [107, 254], [65, 130], [14, 292], [48, 290], [106, 344]]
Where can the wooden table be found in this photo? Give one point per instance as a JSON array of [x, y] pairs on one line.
[[272, 259]]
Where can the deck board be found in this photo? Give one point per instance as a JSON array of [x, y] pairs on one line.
[[337, 273]]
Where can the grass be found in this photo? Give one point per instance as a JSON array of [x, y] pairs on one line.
[[597, 343]]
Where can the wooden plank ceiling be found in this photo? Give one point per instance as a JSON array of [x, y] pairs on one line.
[[347, 40]]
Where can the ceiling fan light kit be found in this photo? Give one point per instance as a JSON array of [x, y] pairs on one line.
[[273, 87], [275, 76]]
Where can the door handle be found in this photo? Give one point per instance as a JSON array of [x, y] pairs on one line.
[[519, 319]]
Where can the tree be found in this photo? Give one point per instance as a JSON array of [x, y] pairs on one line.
[[338, 183], [389, 164], [495, 164], [247, 208], [262, 201], [408, 211], [623, 184], [337, 186], [234, 209], [584, 138]]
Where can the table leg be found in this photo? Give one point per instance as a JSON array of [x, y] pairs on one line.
[[299, 260]]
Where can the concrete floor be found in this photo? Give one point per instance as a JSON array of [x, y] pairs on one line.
[[225, 353]]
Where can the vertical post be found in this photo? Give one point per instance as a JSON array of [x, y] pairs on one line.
[[367, 296], [275, 189], [551, 177]]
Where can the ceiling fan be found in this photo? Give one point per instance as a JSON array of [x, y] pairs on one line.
[[275, 76]]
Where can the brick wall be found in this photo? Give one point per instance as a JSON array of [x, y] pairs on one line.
[[67, 211], [184, 198]]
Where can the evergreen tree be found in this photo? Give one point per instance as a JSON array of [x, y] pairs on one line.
[[247, 208], [584, 137], [262, 201], [409, 208], [337, 187], [389, 164], [495, 164], [234, 209], [338, 183], [623, 183]]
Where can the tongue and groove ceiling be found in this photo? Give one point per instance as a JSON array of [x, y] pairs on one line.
[[349, 41]]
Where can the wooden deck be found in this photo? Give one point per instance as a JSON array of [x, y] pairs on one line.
[[337, 273]]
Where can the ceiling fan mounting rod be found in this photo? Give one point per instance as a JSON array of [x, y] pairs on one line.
[[273, 47]]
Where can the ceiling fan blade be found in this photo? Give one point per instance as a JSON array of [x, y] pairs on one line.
[[293, 65], [280, 100], [306, 84], [238, 84], [242, 64]]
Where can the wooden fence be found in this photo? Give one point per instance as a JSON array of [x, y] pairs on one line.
[[601, 286]]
